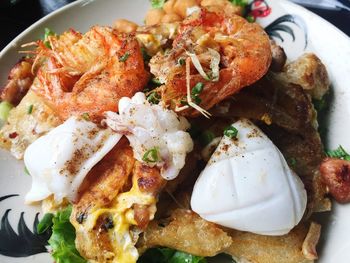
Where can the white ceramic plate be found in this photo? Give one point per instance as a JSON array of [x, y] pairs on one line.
[[311, 33]]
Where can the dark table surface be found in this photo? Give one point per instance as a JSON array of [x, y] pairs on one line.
[[17, 15]]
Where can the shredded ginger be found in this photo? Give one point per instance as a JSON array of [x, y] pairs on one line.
[[150, 127]]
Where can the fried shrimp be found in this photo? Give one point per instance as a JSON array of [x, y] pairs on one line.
[[227, 53], [88, 74]]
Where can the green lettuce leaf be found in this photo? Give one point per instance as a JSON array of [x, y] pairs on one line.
[[167, 255], [62, 240], [338, 153], [239, 2]]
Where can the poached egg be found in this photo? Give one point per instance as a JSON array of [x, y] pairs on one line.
[[247, 185], [59, 161]]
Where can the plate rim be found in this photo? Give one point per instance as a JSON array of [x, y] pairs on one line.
[[13, 44]]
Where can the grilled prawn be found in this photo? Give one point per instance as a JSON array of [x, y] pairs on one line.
[[88, 74], [225, 53]]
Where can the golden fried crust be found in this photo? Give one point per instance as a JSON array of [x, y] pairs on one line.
[[101, 186], [19, 81], [309, 72], [104, 182], [269, 249], [186, 231], [22, 128], [117, 197]]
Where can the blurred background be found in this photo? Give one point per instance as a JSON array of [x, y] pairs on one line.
[[17, 15]]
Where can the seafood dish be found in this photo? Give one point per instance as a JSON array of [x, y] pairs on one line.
[[189, 137]]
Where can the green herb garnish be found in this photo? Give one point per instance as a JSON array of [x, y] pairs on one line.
[[293, 162], [339, 153], [157, 3], [26, 170], [206, 137], [242, 3], [124, 57], [156, 81], [197, 89], [153, 98], [48, 32], [168, 255], [320, 104], [250, 18], [30, 109], [45, 223], [146, 57], [151, 156], [231, 132], [85, 116], [181, 61], [5, 108]]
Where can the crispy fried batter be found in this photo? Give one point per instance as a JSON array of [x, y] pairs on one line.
[[118, 194], [23, 128], [19, 81], [186, 231], [101, 186], [269, 249], [309, 72], [311, 240]]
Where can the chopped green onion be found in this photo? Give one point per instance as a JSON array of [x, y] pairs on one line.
[[85, 116], [30, 109], [197, 89], [156, 81], [293, 162], [157, 3], [194, 131], [196, 99], [5, 108], [124, 57], [145, 55], [206, 137], [151, 156], [231, 132], [45, 223], [181, 61], [250, 19], [242, 3], [153, 98], [320, 104], [168, 255], [339, 153], [48, 32]]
